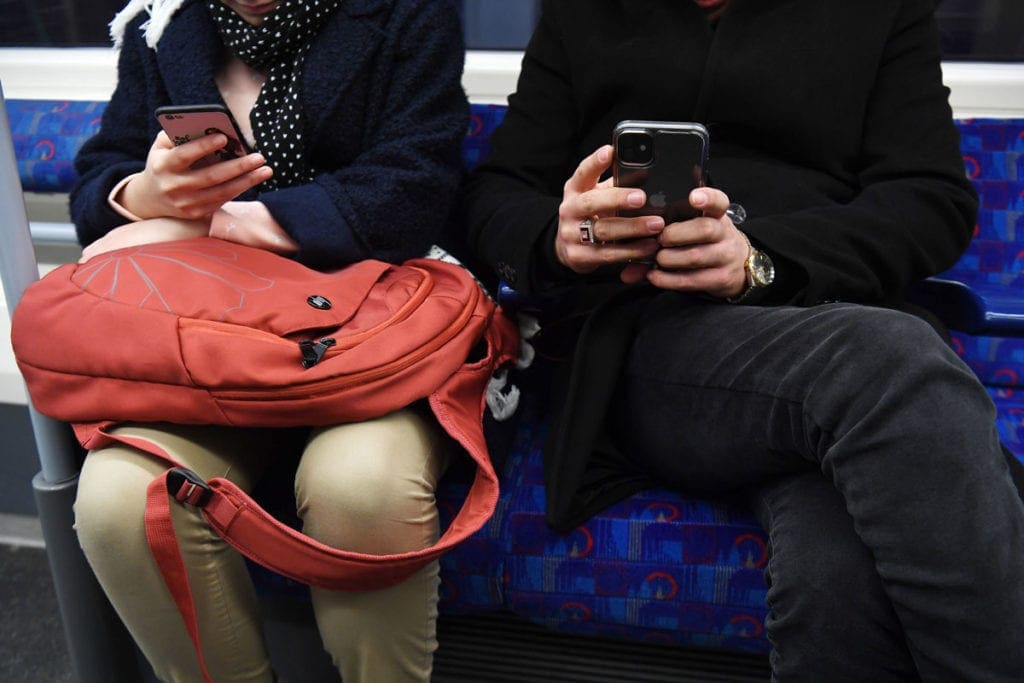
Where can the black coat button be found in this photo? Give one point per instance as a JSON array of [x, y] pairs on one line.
[[507, 273]]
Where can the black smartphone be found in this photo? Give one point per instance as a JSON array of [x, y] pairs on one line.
[[188, 122], [666, 159]]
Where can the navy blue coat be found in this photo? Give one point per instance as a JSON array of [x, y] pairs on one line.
[[383, 109]]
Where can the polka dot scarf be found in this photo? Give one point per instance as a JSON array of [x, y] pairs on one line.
[[277, 47]]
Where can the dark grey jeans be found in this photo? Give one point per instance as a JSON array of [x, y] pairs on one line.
[[869, 451]]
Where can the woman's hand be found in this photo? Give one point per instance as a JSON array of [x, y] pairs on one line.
[[616, 239], [704, 254], [146, 232], [168, 187], [251, 223]]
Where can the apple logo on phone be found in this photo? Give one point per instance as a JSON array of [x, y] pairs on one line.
[[657, 200]]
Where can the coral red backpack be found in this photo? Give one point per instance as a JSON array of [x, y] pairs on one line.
[[203, 331]]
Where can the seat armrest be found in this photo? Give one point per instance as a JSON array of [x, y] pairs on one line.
[[978, 308]]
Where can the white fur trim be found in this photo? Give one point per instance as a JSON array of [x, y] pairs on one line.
[[160, 14]]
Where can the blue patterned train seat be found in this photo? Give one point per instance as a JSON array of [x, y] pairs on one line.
[[658, 566], [994, 264], [46, 136]]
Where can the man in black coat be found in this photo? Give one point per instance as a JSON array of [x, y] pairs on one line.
[[774, 357]]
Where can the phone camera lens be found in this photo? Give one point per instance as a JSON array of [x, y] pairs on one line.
[[635, 148]]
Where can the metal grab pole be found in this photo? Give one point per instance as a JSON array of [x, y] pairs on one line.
[[57, 456], [101, 649]]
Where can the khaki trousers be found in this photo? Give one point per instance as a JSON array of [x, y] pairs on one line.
[[366, 487]]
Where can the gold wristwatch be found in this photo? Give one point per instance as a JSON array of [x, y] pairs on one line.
[[760, 271]]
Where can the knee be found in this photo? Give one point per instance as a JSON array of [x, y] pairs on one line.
[[882, 337], [357, 489], [886, 356], [367, 508], [371, 495], [110, 503]]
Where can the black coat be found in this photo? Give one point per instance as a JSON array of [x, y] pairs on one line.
[[829, 124]]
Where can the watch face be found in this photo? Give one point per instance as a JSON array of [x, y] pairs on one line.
[[762, 270]]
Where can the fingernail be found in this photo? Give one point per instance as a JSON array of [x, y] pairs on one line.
[[257, 158], [699, 198], [654, 224], [635, 198], [604, 154]]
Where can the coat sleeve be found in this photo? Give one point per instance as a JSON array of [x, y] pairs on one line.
[[393, 201], [512, 199], [120, 146], [915, 210]]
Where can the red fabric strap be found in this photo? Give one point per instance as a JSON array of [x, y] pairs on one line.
[[260, 537], [163, 544]]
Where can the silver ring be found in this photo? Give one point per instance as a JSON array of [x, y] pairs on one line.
[[736, 213], [587, 232]]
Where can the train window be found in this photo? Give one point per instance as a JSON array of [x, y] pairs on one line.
[[981, 30], [975, 30], [499, 24], [489, 24], [56, 23]]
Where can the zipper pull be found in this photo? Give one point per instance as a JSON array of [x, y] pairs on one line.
[[313, 351]]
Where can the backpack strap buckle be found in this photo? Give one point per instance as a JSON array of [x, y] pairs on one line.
[[188, 487]]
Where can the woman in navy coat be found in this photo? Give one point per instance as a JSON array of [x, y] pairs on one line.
[[356, 115]]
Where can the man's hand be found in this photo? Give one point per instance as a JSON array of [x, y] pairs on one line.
[[616, 239], [704, 254]]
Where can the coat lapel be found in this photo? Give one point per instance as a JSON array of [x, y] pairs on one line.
[[339, 53], [189, 54]]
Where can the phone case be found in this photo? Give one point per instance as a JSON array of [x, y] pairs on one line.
[[676, 165], [185, 123]]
